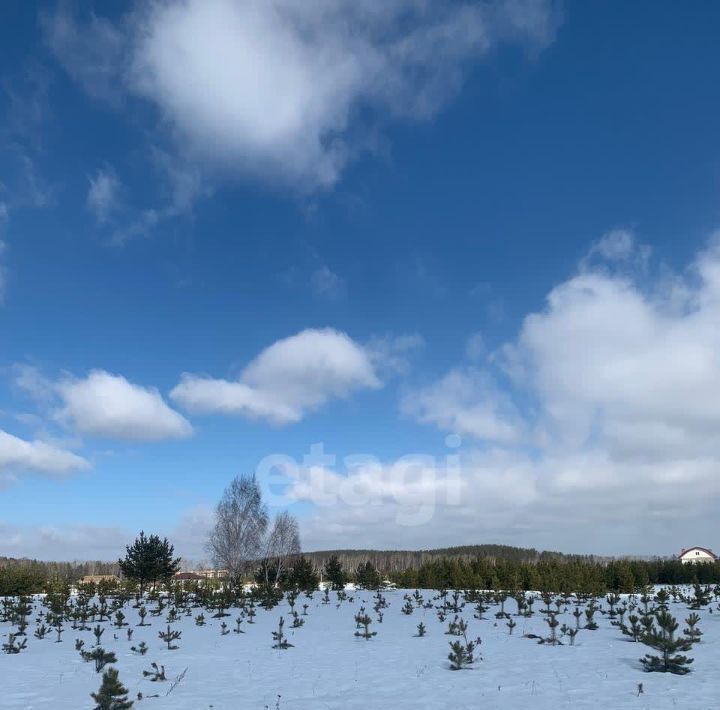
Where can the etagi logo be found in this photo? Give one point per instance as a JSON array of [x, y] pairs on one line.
[[413, 485]]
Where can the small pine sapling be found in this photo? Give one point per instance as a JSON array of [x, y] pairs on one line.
[[552, 623], [691, 632], [457, 627], [590, 624], [141, 648], [279, 636], [480, 609], [155, 673], [169, 636], [13, 646], [238, 623], [634, 630], [98, 631], [112, 695], [662, 598], [100, 656], [421, 631], [663, 640], [462, 653], [511, 625], [41, 631], [363, 621]]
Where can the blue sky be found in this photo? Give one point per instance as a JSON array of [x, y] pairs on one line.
[[235, 229]]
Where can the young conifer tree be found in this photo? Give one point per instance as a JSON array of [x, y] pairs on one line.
[[663, 640], [112, 695]]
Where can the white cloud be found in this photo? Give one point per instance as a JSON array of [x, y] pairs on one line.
[[291, 377], [628, 368], [107, 405], [602, 413], [283, 90], [103, 194], [92, 53], [62, 542], [466, 401], [326, 283], [68, 542], [606, 363], [19, 456]]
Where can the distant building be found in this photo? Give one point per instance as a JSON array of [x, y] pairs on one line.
[[188, 577], [97, 578], [212, 573], [697, 554]]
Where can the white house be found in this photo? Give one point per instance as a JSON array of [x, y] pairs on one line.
[[697, 554]]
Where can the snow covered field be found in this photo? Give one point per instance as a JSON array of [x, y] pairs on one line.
[[329, 668]]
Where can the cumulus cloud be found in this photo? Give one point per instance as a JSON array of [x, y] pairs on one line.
[[581, 502], [62, 542], [289, 378], [65, 542], [614, 359], [632, 369], [107, 405], [287, 90], [594, 421], [103, 194], [19, 456], [466, 401]]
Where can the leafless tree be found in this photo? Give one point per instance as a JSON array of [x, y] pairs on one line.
[[283, 543], [241, 521]]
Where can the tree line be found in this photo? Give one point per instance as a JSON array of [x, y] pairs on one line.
[[251, 547]]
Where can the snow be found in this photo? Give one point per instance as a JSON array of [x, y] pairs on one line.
[[329, 668]]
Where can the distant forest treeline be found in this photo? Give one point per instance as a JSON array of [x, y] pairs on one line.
[[393, 561], [468, 567], [23, 575]]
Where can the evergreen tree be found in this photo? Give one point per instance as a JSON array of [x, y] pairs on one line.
[[363, 621], [112, 694], [663, 639], [149, 559], [334, 573], [303, 575], [101, 657], [691, 632], [156, 673], [12, 646], [169, 636], [279, 636], [462, 653], [367, 576]]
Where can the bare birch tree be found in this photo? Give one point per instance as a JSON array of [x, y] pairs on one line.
[[283, 543], [241, 520]]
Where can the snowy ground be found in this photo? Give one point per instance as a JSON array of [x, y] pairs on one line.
[[329, 668]]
